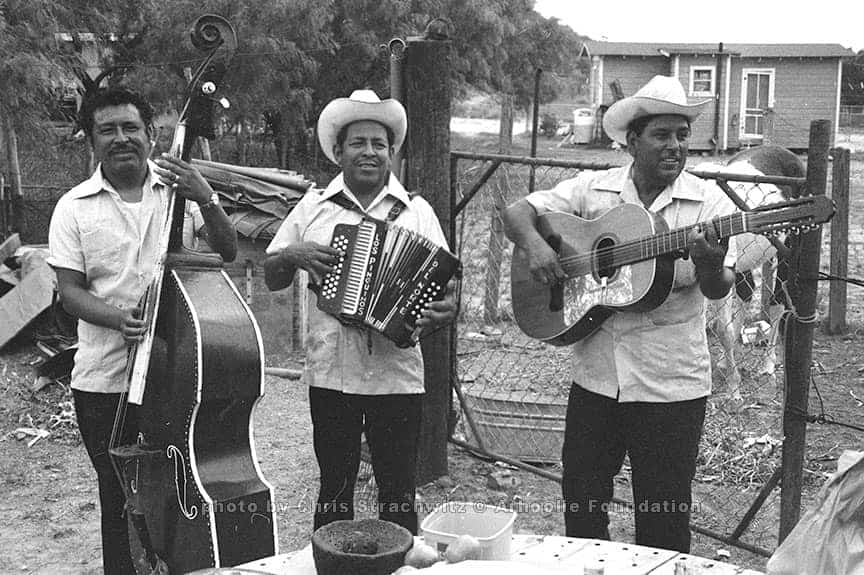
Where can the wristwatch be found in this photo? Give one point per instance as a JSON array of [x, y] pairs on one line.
[[214, 201]]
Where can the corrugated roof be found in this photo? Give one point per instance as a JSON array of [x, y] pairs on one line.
[[743, 50]]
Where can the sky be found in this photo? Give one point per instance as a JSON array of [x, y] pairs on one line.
[[727, 21]]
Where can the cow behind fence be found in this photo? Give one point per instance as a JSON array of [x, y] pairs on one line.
[[757, 262]]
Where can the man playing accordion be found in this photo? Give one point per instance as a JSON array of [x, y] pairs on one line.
[[359, 381]]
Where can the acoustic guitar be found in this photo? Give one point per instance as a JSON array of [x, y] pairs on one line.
[[625, 260]]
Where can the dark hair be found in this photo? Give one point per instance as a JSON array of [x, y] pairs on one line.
[[106, 97], [343, 133], [637, 126]]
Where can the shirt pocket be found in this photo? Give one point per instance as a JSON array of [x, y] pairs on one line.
[[682, 307], [104, 245]]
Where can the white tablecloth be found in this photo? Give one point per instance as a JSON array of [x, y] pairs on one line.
[[548, 554]]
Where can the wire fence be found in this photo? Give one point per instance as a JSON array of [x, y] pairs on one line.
[[851, 116], [513, 389]]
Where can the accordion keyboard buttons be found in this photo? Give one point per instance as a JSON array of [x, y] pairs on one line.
[[330, 283], [429, 294]]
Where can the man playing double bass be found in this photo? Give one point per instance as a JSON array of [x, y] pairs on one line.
[[641, 380], [103, 246]]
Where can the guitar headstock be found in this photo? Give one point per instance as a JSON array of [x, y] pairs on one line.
[[799, 215]]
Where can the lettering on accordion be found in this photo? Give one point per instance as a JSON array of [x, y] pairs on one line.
[[385, 278]]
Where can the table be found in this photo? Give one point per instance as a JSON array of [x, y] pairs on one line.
[[549, 552]]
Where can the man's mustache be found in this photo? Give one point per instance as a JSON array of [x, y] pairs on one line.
[[122, 149]]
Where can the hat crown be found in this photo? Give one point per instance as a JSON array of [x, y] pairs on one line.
[[361, 105], [663, 88], [662, 95], [366, 96]]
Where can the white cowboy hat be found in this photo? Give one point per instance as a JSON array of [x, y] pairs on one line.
[[661, 95], [361, 105]]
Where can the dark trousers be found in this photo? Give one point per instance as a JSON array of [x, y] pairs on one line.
[[392, 427], [662, 440], [95, 414]]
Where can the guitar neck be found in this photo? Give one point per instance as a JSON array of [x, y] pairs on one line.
[[676, 241], [652, 247]]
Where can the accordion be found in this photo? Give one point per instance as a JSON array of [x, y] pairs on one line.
[[386, 276]]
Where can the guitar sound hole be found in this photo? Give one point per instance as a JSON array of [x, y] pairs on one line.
[[604, 263]]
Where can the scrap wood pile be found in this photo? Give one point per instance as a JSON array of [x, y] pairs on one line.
[[28, 313]]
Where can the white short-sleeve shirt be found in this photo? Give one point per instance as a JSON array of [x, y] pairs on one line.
[[338, 357], [93, 231], [659, 355]]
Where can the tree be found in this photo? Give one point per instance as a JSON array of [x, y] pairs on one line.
[[29, 66], [293, 56], [30, 62]]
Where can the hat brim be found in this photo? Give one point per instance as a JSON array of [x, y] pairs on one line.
[[623, 112], [343, 111]]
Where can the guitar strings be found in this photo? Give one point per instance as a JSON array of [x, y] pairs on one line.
[[633, 251]]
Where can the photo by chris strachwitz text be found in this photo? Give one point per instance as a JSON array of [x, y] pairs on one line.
[[447, 506]]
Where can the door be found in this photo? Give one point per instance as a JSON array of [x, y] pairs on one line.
[[757, 97]]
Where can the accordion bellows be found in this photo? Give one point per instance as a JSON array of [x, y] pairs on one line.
[[385, 278]]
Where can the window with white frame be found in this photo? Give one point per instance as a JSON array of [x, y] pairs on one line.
[[702, 80]]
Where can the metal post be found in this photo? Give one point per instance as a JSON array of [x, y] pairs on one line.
[[534, 127], [397, 56], [717, 96]]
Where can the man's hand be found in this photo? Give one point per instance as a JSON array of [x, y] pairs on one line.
[[543, 263], [317, 259], [715, 280], [440, 312], [130, 326], [185, 178], [706, 250]]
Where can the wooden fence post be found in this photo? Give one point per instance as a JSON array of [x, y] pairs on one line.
[[839, 242], [15, 195], [428, 94], [500, 196], [799, 346]]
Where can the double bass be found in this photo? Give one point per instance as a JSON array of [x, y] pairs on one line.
[[195, 491]]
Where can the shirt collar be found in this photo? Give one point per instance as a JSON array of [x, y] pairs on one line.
[[393, 188], [97, 182], [619, 180]]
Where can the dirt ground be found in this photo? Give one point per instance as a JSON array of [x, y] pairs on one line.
[[49, 518]]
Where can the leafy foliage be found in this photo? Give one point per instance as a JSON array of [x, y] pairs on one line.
[[293, 56], [29, 60]]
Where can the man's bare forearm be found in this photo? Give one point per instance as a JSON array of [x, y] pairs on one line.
[[221, 235], [520, 220]]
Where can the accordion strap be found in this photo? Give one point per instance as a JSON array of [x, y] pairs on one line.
[[344, 201]]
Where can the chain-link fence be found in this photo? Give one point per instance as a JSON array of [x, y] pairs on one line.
[[513, 389]]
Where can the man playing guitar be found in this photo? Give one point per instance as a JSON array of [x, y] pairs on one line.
[[641, 378]]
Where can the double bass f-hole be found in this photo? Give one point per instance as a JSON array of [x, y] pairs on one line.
[[174, 454]]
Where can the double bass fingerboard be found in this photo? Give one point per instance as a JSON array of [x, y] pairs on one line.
[[385, 278]]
